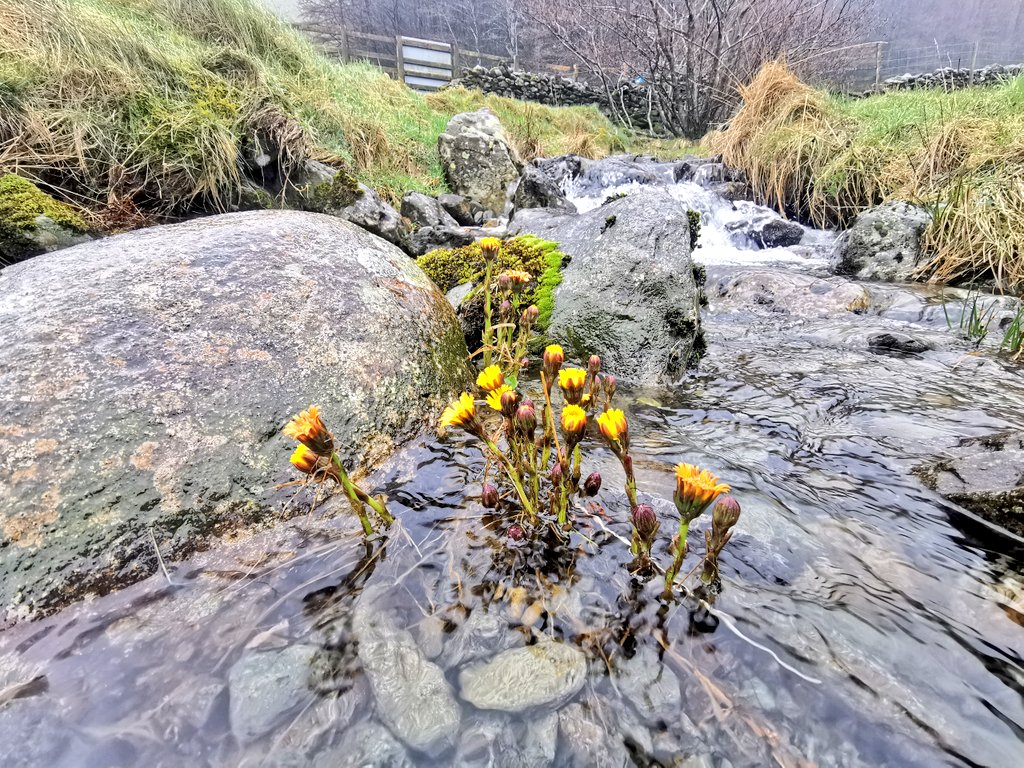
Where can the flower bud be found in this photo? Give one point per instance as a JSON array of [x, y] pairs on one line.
[[304, 459], [553, 359], [610, 383], [725, 514], [505, 309], [509, 400], [646, 522], [489, 496], [593, 365], [530, 314], [515, 532], [592, 484], [556, 475], [526, 418], [504, 284]]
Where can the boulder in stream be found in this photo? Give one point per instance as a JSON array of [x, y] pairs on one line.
[[478, 159], [546, 674], [147, 378], [630, 292], [883, 243]]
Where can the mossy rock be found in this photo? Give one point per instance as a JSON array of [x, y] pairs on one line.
[[341, 192], [449, 267], [32, 222]]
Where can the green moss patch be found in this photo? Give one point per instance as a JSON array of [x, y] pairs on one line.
[[449, 267], [22, 202]]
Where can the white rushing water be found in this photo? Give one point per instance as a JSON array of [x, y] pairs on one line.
[[719, 243]]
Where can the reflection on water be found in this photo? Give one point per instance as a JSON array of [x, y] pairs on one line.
[[863, 621]]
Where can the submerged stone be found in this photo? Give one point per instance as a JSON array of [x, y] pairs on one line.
[[264, 686], [546, 674], [147, 378]]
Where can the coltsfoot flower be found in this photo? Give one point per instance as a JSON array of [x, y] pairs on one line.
[[309, 429], [571, 380], [614, 427], [489, 247], [305, 460], [553, 359], [519, 277], [494, 398], [490, 378], [461, 413], [574, 422], [696, 489]]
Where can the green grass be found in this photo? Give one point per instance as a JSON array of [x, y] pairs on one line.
[[960, 154], [153, 105]]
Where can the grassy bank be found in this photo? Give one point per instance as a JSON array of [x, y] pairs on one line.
[[826, 158], [153, 106]]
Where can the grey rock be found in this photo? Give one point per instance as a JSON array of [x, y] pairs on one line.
[[465, 212], [686, 168], [650, 685], [371, 213], [495, 741], [590, 742], [546, 674], [897, 342], [147, 377], [47, 236], [562, 169], [733, 190], [478, 160], [984, 475], [629, 286], [264, 686], [413, 698], [536, 190], [599, 175], [367, 745], [483, 634], [426, 211], [764, 229], [883, 243], [458, 294], [786, 292], [426, 239]]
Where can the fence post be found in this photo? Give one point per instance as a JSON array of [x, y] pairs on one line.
[[878, 65], [456, 68], [974, 60], [343, 39], [399, 60]]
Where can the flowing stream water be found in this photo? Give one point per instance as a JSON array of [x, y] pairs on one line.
[[863, 620]]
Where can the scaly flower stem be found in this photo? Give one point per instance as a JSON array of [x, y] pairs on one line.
[[487, 314], [359, 497], [513, 475], [677, 561]]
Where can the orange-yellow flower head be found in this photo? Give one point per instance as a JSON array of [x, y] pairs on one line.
[[490, 378], [614, 427], [553, 359], [571, 380], [518, 277], [696, 489], [304, 460], [489, 247], [461, 413], [308, 428], [574, 422], [494, 398]]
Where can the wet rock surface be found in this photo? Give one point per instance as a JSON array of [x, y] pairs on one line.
[[986, 476], [897, 342], [546, 674], [883, 243], [478, 160], [630, 284], [264, 686], [536, 190], [148, 377], [786, 293]]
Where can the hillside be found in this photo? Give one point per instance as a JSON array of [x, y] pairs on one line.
[[135, 109]]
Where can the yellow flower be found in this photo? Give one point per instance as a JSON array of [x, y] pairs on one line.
[[489, 247], [490, 378], [304, 459], [518, 276], [553, 359], [571, 380], [613, 425], [494, 398], [696, 489], [574, 421], [308, 428], [461, 413]]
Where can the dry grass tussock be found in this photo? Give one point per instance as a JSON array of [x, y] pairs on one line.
[[159, 106], [824, 159]]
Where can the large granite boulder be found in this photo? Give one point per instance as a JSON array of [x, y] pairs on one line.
[[146, 378], [478, 160], [629, 293], [883, 243]]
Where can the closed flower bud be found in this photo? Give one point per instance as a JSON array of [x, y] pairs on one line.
[[515, 532], [505, 309], [509, 400], [593, 365], [553, 359], [526, 418], [556, 475], [504, 284], [592, 484], [645, 521], [489, 496], [530, 314], [725, 514], [610, 383]]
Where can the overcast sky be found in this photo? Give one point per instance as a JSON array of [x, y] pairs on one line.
[[287, 8]]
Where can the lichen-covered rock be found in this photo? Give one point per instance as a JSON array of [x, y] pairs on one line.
[[426, 211], [147, 376], [883, 243], [628, 293], [465, 212], [478, 160], [546, 674], [32, 222], [536, 190]]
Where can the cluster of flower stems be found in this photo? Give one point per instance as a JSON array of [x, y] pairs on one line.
[[545, 472]]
